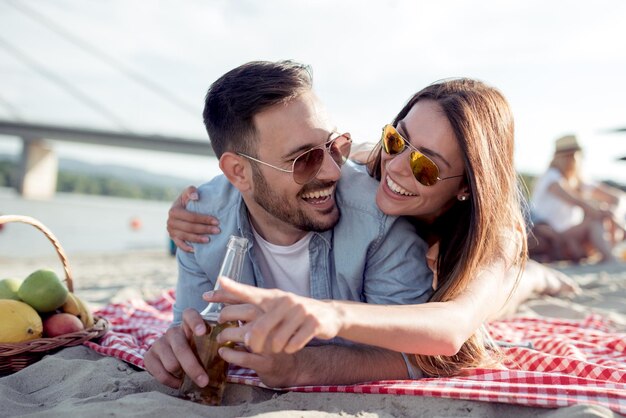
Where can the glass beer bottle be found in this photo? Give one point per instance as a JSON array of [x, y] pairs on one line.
[[206, 346]]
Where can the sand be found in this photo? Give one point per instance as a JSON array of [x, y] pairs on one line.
[[78, 382]]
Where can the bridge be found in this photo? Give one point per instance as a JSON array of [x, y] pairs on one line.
[[38, 167]]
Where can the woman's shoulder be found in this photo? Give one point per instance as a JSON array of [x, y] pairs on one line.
[[552, 174], [512, 244]]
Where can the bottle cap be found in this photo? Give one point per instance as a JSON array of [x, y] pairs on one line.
[[238, 243]]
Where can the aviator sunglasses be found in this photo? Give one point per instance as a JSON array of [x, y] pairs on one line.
[[424, 169], [306, 165]]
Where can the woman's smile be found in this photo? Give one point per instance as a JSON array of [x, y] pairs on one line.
[[396, 188]]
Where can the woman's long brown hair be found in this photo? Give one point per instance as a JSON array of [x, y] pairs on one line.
[[471, 233]]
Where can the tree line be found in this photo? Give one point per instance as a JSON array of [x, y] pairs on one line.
[[71, 182]]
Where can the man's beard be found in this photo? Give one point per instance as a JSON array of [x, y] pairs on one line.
[[277, 207]]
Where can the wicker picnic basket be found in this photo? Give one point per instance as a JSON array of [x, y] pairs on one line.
[[16, 356]]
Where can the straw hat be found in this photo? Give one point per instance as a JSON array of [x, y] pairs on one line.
[[568, 143]]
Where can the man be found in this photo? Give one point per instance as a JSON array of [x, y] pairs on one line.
[[310, 232]]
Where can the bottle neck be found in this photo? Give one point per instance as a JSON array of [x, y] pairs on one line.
[[210, 316], [231, 267]]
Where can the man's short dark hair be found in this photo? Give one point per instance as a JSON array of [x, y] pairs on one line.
[[234, 99]]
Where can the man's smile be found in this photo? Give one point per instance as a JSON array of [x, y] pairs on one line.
[[319, 196]]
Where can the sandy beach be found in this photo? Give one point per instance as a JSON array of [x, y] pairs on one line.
[[77, 381]]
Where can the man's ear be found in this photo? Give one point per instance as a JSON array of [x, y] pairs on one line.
[[237, 171]]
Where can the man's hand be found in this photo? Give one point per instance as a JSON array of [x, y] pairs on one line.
[[183, 225], [171, 356], [274, 370]]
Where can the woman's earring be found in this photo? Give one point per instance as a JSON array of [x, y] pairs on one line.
[[462, 198]]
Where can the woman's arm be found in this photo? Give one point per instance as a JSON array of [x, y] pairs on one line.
[[535, 279], [607, 194], [183, 225], [573, 198], [278, 321], [284, 322], [570, 197]]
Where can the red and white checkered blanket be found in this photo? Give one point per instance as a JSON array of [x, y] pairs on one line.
[[572, 361]]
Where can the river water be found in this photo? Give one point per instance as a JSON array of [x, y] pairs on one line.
[[83, 224]]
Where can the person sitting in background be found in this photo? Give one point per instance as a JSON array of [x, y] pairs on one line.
[[578, 217], [543, 242]]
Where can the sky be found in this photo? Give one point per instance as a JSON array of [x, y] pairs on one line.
[[561, 65]]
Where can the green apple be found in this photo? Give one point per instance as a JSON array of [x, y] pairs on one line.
[[43, 291], [8, 289]]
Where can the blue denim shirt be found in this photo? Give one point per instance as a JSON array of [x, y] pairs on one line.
[[367, 257]]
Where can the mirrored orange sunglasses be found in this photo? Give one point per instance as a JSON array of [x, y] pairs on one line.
[[424, 169]]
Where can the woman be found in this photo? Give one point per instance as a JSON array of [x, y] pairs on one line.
[[583, 215], [447, 163]]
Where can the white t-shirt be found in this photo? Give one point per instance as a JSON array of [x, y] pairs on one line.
[[548, 208], [286, 267]]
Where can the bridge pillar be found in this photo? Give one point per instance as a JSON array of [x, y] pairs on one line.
[[37, 178]]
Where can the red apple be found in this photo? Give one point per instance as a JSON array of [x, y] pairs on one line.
[[61, 323]]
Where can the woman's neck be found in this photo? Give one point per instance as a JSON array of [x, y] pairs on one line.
[[425, 230]]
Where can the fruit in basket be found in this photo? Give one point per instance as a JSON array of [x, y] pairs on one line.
[[76, 306], [71, 305], [60, 324], [85, 314], [8, 289], [43, 291], [18, 322]]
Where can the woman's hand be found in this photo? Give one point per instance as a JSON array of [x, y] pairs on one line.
[[184, 226], [275, 321]]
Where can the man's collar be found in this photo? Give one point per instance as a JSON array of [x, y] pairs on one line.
[[243, 222]]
